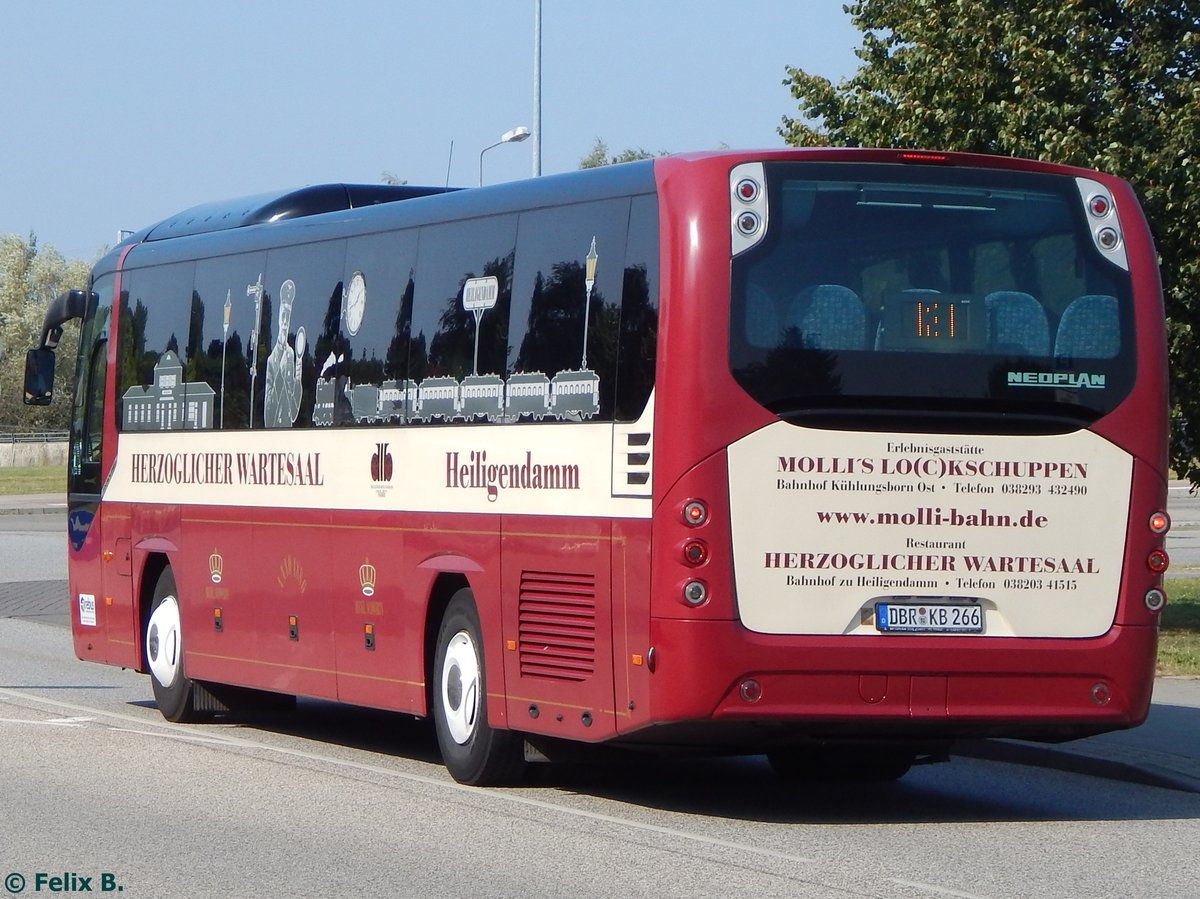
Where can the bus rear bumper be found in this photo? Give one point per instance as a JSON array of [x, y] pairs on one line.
[[1037, 689]]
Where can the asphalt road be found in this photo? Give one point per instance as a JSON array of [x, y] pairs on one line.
[[1183, 540], [334, 800], [337, 801], [33, 568]]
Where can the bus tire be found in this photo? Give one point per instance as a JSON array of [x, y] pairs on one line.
[[473, 752], [164, 653]]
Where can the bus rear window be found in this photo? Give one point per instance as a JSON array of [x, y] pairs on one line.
[[930, 290]]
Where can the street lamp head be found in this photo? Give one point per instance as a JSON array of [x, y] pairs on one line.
[[515, 136]]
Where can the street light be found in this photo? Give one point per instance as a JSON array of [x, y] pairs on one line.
[[515, 136], [537, 88]]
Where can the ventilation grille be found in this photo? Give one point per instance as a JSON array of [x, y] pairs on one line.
[[633, 450], [558, 625]]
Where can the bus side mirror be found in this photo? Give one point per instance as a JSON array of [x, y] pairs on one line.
[[39, 377]]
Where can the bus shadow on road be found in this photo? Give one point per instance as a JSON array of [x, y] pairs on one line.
[[967, 789], [334, 724], [964, 790], [368, 730]]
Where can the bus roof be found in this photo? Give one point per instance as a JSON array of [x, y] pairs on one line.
[[279, 206], [325, 212], [329, 211]]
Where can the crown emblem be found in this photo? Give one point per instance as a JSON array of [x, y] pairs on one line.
[[366, 578], [216, 565]]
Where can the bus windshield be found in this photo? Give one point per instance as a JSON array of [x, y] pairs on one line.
[[931, 289]]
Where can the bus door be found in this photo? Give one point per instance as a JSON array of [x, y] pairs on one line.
[[101, 583]]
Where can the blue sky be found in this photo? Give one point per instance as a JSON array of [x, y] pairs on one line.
[[117, 115]]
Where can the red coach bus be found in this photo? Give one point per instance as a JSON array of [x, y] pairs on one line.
[[832, 455]]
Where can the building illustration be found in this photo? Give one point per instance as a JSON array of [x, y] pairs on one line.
[[170, 403]]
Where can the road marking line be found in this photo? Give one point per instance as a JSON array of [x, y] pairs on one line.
[[916, 884], [184, 738], [54, 722], [181, 731], [187, 734]]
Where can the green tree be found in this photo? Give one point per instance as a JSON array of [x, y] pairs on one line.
[[30, 277], [599, 156], [1106, 84]]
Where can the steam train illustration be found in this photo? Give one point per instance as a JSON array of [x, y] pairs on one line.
[[572, 395]]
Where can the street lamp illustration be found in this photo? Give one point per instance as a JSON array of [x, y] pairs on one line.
[[515, 136], [589, 283], [224, 343]]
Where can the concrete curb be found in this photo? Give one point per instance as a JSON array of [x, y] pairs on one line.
[[33, 504], [35, 510]]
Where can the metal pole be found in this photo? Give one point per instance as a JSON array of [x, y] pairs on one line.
[[537, 88]]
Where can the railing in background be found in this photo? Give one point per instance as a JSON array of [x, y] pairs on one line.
[[33, 448], [34, 437]]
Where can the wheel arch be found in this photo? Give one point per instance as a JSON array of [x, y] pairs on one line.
[[444, 586], [152, 568]]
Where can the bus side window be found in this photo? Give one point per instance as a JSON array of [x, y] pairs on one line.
[[85, 468], [638, 339], [93, 427]]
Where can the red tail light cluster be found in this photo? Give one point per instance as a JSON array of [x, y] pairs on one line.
[[1102, 216], [748, 206], [1157, 561], [695, 552]]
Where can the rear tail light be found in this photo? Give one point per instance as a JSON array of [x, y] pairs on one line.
[[695, 593], [695, 552], [1158, 560], [747, 190], [1108, 238], [747, 223], [695, 513], [1155, 600], [1160, 522]]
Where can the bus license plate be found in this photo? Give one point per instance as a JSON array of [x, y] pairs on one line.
[[942, 618]]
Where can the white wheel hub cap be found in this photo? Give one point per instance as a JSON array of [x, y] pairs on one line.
[[460, 687], [162, 642]]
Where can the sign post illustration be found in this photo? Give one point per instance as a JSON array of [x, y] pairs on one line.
[[479, 294], [224, 343]]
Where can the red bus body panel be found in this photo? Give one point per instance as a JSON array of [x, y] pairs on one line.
[[655, 669]]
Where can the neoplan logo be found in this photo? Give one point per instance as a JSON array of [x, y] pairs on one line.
[[1074, 380]]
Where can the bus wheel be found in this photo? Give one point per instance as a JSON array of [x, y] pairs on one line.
[[164, 653], [473, 752]]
